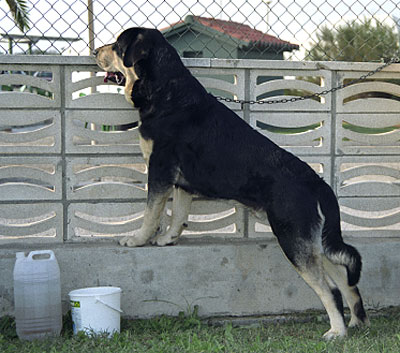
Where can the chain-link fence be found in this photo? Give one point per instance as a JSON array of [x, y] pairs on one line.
[[357, 30]]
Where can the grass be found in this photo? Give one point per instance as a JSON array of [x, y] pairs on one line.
[[190, 334]]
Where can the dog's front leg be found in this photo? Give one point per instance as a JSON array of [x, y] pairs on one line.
[[159, 189], [180, 210], [151, 220]]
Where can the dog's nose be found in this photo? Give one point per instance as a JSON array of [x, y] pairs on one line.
[[95, 52]]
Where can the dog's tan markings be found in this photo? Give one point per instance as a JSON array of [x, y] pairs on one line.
[[181, 202], [338, 274], [151, 221], [109, 61], [104, 57], [147, 148], [130, 77]]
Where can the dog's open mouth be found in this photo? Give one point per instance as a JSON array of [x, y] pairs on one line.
[[116, 77]]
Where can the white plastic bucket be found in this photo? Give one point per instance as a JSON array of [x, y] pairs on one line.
[[96, 310]]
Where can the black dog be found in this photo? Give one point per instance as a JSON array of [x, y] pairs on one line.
[[194, 144]]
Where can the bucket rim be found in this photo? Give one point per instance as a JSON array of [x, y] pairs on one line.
[[94, 291]]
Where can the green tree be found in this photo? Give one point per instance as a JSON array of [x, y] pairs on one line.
[[19, 10], [368, 40]]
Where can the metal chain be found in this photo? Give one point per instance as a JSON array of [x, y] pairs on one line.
[[314, 95]]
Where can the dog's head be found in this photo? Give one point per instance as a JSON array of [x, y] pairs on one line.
[[144, 56], [120, 59]]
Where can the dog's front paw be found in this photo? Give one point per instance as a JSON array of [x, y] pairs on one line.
[[165, 239], [134, 240]]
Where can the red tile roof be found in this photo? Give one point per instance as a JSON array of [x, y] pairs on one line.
[[239, 31]]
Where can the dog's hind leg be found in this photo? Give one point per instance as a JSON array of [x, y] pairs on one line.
[[307, 260], [180, 210], [351, 294], [330, 298]]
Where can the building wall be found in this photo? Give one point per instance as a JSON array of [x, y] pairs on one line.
[[259, 54], [197, 42], [212, 48]]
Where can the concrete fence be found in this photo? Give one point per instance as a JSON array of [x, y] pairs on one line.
[[72, 179]]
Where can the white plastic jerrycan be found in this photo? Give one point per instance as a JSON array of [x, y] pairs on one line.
[[37, 295]]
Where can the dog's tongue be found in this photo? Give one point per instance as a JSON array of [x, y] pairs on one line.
[[109, 76], [115, 77]]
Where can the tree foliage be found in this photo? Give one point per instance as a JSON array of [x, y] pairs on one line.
[[19, 10], [368, 40]]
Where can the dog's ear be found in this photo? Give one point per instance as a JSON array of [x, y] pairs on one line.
[[138, 50]]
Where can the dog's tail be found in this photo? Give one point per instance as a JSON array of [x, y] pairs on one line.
[[335, 249]]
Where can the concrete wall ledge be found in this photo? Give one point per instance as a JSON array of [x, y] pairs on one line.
[[224, 278]]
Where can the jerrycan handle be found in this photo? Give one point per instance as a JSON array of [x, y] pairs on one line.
[[41, 252]]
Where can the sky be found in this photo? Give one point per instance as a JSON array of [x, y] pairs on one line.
[[292, 20]]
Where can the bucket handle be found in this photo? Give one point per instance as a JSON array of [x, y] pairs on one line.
[[108, 305]]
